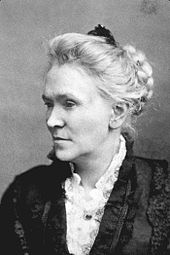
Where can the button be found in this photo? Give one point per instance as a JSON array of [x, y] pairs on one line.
[[88, 217]]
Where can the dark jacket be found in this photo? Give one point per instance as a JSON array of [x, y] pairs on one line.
[[136, 219]]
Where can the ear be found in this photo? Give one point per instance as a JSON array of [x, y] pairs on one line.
[[119, 113]]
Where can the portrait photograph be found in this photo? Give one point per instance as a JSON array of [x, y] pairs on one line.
[[85, 127]]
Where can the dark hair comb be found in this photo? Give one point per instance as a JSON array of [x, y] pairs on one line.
[[104, 32]]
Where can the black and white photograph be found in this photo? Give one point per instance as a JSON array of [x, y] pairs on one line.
[[85, 127]]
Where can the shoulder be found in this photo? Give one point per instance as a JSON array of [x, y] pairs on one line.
[[155, 171], [152, 166], [152, 163], [37, 181], [57, 169]]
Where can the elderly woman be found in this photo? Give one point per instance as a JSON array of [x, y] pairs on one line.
[[96, 197]]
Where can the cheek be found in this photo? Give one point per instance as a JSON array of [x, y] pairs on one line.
[[91, 126]]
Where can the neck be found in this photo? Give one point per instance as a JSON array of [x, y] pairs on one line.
[[92, 167]]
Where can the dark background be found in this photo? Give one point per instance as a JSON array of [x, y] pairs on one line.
[[26, 26]]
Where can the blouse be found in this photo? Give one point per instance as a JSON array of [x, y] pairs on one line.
[[84, 216]]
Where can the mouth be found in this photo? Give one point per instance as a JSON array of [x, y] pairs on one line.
[[59, 139]]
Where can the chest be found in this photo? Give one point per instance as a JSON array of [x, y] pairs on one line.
[[131, 222]]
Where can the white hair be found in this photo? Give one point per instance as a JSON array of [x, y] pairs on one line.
[[124, 72]]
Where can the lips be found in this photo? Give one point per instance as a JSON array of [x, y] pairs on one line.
[[59, 138]]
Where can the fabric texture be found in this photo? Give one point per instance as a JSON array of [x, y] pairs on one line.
[[84, 216], [136, 218]]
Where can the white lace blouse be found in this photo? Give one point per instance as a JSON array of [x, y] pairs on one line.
[[84, 217]]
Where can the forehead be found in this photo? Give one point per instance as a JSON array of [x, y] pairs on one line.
[[69, 79]]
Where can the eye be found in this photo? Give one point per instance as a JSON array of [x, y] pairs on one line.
[[70, 104], [48, 104], [47, 101]]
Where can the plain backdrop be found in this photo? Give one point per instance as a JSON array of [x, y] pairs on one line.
[[26, 26]]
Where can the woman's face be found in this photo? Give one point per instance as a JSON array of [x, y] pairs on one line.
[[77, 116]]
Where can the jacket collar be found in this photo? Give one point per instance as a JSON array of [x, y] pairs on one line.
[[112, 220]]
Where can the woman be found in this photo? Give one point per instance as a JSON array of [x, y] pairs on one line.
[[96, 197]]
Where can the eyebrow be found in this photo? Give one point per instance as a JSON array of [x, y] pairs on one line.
[[44, 97], [60, 96]]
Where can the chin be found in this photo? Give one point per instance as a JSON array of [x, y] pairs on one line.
[[65, 155]]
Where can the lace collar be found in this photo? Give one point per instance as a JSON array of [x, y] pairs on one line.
[[108, 179]]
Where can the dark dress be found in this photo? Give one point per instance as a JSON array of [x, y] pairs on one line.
[[136, 219]]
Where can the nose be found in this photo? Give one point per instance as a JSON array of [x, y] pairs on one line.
[[55, 118]]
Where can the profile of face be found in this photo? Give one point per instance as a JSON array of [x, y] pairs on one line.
[[78, 117]]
